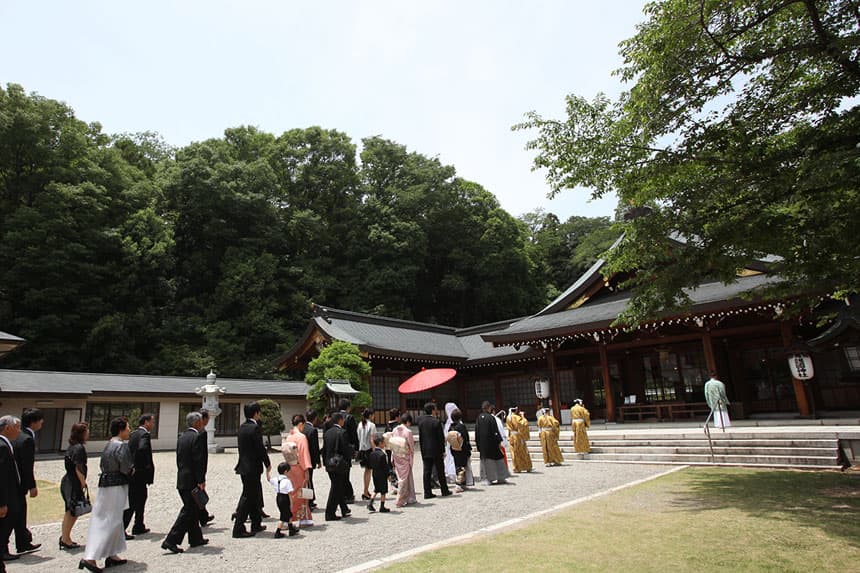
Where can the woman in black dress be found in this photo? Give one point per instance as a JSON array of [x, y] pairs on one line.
[[74, 483]]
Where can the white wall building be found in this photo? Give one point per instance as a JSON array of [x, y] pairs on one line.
[[69, 397]]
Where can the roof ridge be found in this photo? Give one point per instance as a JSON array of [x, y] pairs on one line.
[[325, 312], [125, 375]]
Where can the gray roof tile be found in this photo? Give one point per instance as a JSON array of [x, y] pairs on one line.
[[75, 383]]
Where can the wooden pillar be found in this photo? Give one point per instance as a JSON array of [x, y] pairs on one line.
[[554, 390], [708, 346], [498, 389], [607, 384], [799, 389]]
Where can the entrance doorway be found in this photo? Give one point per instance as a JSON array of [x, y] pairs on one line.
[[56, 428]]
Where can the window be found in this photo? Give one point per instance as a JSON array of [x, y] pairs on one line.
[[518, 391], [226, 424], [660, 377], [383, 389], [477, 391], [852, 354], [99, 416]]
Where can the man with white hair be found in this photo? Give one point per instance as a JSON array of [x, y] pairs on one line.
[[10, 485]]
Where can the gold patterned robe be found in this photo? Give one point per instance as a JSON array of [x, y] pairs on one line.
[[549, 433], [519, 435], [581, 421]]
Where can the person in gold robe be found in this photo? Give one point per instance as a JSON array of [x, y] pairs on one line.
[[549, 433], [518, 427], [581, 421]]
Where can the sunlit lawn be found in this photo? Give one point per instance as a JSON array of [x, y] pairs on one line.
[[697, 519]]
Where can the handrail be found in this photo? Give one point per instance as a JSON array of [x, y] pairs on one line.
[[708, 431]]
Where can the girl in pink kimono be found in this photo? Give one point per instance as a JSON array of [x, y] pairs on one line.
[[298, 473], [402, 456]]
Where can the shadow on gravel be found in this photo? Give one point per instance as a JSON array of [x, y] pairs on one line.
[[135, 566], [352, 520]]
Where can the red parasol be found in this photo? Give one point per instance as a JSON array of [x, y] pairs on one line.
[[427, 379]]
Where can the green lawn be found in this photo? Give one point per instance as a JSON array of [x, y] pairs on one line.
[[697, 519]]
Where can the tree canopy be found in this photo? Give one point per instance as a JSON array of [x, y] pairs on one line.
[[119, 253], [739, 132], [338, 361]]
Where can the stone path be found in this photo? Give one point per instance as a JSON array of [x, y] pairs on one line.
[[328, 546]]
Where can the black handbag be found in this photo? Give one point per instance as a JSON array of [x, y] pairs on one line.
[[201, 498], [337, 464], [82, 506]]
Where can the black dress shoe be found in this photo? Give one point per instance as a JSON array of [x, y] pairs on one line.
[[204, 541], [240, 533], [429, 495], [89, 566], [68, 546], [29, 548], [172, 547], [140, 530], [264, 515], [332, 518], [207, 519], [447, 493], [258, 528], [111, 562], [129, 536]]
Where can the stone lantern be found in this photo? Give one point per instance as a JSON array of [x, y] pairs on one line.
[[210, 393]]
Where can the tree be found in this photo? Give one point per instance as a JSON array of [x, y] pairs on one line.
[[739, 131], [271, 418], [338, 361]]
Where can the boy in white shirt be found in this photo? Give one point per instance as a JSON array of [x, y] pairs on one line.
[[283, 487]]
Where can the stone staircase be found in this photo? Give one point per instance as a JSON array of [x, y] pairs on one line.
[[781, 448]]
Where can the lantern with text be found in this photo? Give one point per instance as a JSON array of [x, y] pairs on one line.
[[801, 365], [542, 388]]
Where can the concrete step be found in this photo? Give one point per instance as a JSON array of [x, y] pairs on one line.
[[709, 464], [757, 443], [729, 459], [685, 449]]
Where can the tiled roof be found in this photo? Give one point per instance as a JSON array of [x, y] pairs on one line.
[[75, 383], [602, 313], [394, 337]]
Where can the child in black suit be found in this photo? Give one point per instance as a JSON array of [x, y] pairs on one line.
[[377, 461]]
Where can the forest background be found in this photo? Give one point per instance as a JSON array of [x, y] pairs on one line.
[[120, 253]]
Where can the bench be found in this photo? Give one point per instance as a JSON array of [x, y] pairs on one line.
[[638, 411], [687, 410]]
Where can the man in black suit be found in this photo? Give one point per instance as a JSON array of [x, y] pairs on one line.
[[140, 446], [10, 485], [432, 439], [205, 517], [335, 443], [191, 462], [25, 456], [350, 428], [252, 458], [311, 432]]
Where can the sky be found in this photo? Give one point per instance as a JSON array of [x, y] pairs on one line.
[[446, 79]]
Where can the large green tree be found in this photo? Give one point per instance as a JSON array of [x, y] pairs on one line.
[[739, 132]]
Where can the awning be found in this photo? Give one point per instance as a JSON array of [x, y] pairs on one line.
[[341, 387]]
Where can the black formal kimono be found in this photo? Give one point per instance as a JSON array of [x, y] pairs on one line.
[[191, 461], [488, 440], [253, 457], [140, 446]]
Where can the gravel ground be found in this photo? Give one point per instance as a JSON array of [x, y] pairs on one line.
[[327, 546]]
